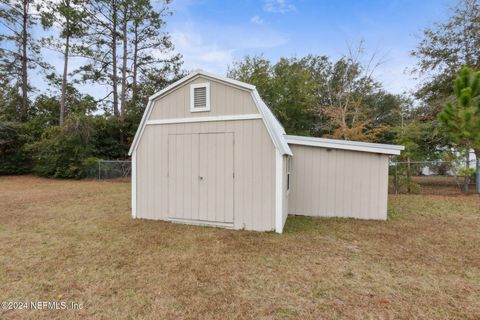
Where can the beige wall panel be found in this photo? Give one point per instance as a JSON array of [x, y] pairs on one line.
[[183, 175], [254, 167], [224, 100], [338, 183], [216, 170]]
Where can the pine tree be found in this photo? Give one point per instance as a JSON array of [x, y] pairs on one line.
[[444, 48], [125, 42], [69, 17], [19, 52], [461, 120], [99, 46], [150, 47]]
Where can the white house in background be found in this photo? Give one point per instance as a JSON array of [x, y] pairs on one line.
[[208, 151], [461, 162]]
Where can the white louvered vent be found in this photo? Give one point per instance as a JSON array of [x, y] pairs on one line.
[[200, 97]]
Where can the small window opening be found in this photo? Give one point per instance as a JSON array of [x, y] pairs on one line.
[[289, 167]]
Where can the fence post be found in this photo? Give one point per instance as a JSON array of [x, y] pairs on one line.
[[396, 178], [98, 169], [409, 186], [477, 175]]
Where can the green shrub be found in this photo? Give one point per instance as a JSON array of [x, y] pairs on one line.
[[61, 151], [90, 167], [14, 157], [406, 184], [466, 172], [107, 134]]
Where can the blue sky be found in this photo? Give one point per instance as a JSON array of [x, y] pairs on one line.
[[211, 34]]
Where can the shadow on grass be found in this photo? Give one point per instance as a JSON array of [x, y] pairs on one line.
[[298, 224], [319, 225]]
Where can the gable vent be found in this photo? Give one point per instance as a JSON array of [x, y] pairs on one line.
[[200, 97]]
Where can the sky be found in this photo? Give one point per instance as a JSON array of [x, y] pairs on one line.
[[212, 34]]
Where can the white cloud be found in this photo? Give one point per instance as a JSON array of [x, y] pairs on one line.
[[278, 6], [198, 54], [203, 47], [256, 20], [394, 75]]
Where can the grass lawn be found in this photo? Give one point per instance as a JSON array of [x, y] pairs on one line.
[[74, 241]]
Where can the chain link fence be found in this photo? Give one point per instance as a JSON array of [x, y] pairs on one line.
[[432, 177], [416, 177], [110, 169]]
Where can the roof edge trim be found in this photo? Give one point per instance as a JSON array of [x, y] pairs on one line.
[[390, 149]]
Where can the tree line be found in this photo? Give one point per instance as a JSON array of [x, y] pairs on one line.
[[314, 95], [122, 47], [341, 99], [118, 46]]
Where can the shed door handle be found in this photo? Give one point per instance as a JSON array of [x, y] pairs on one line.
[[200, 177]]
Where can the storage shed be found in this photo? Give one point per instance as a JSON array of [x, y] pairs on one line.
[[338, 178], [208, 151]]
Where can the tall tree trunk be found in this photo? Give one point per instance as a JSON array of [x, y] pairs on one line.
[[134, 64], [114, 58], [124, 61], [65, 70], [24, 70]]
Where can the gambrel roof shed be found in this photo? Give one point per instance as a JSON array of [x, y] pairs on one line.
[[208, 151], [274, 127]]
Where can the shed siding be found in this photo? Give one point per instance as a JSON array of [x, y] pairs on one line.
[[224, 100], [338, 183], [254, 167]]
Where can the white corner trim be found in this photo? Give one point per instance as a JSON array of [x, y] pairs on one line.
[[141, 127], [134, 184], [345, 145], [274, 128], [206, 119], [192, 97], [278, 192]]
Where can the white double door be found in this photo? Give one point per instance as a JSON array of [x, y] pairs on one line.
[[201, 177]]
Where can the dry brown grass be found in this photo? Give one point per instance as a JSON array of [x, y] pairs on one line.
[[434, 185], [75, 241], [442, 185]]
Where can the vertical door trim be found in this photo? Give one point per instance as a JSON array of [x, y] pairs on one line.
[[134, 184], [278, 192]]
